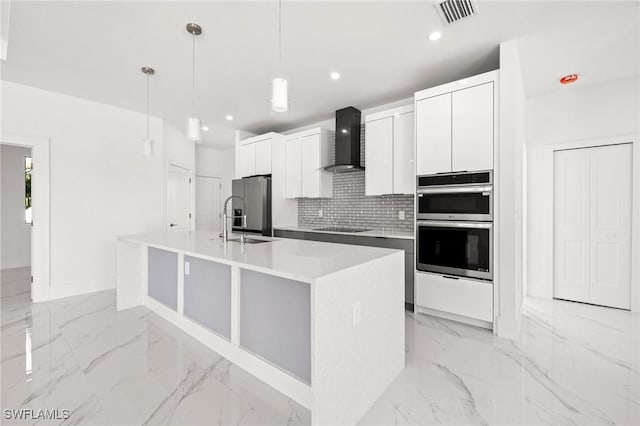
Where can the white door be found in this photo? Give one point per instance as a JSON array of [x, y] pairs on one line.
[[433, 135], [293, 168], [379, 157], [472, 128], [208, 216], [592, 225], [178, 198], [403, 170]]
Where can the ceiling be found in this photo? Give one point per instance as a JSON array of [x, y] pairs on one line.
[[94, 50]]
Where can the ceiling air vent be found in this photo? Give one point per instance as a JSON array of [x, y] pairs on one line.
[[456, 10]]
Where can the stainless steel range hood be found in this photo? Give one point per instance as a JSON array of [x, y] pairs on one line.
[[347, 147]]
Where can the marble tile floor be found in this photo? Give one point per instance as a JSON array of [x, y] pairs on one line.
[[572, 364]]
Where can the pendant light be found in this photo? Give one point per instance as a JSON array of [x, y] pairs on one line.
[[279, 84], [147, 142], [194, 129]]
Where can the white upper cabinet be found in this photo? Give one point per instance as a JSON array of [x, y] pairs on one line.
[[379, 156], [254, 156], [403, 167], [307, 155], [389, 150], [455, 125], [263, 157], [247, 161], [293, 173], [433, 135], [472, 135]]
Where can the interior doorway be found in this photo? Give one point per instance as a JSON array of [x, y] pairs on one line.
[[178, 198], [17, 220], [592, 218], [208, 203]]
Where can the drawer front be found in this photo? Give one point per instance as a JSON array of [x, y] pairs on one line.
[[473, 299], [281, 233], [392, 243]]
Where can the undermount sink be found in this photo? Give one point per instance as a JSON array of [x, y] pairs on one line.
[[247, 241]]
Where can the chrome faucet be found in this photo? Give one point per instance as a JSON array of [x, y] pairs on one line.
[[224, 218]]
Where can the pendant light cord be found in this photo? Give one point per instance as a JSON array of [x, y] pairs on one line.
[[147, 106], [279, 32], [193, 86]]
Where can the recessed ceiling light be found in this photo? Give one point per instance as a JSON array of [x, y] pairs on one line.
[[229, 117], [205, 128], [335, 76], [435, 35], [344, 130]]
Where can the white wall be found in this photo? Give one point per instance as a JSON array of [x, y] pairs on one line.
[[101, 183], [509, 205], [16, 234], [571, 113], [217, 163]]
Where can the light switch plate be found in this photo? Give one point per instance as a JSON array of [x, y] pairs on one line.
[[401, 215], [186, 268]]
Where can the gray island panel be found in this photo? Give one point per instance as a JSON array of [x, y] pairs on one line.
[[275, 321], [207, 294], [163, 277]]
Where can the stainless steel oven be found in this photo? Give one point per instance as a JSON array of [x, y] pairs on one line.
[[455, 196], [458, 248]]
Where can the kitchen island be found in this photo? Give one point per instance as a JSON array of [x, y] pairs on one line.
[[322, 323]]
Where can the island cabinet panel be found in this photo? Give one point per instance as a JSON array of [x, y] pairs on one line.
[[163, 277], [207, 294], [275, 321]]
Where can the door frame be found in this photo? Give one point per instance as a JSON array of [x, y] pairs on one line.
[[192, 194], [548, 207], [41, 196]]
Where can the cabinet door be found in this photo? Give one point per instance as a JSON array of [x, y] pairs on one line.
[[403, 168], [293, 172], [433, 137], [248, 160], [379, 157], [263, 157], [311, 166], [472, 134]]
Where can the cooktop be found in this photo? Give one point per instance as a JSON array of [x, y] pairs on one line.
[[340, 229]]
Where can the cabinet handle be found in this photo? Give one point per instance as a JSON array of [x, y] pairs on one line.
[[450, 278]]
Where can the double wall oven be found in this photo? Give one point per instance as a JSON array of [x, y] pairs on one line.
[[454, 229]]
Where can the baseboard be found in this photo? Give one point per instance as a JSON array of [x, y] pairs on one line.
[[76, 289], [454, 317]]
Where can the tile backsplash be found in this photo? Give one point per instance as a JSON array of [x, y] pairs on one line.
[[350, 207]]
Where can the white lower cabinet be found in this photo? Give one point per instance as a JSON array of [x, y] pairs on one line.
[[459, 296]]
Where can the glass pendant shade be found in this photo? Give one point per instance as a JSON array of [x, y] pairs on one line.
[[194, 129], [147, 147], [280, 94]]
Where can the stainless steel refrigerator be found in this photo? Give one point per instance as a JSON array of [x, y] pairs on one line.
[[256, 192]]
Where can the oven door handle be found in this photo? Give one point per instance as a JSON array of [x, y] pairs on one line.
[[450, 224], [459, 190]]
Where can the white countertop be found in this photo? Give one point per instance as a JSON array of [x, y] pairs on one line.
[[296, 259], [385, 233]]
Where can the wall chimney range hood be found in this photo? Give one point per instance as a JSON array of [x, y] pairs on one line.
[[347, 147]]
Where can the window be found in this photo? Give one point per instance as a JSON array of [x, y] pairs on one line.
[[28, 166]]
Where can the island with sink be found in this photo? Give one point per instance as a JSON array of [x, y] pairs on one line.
[[322, 323]]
